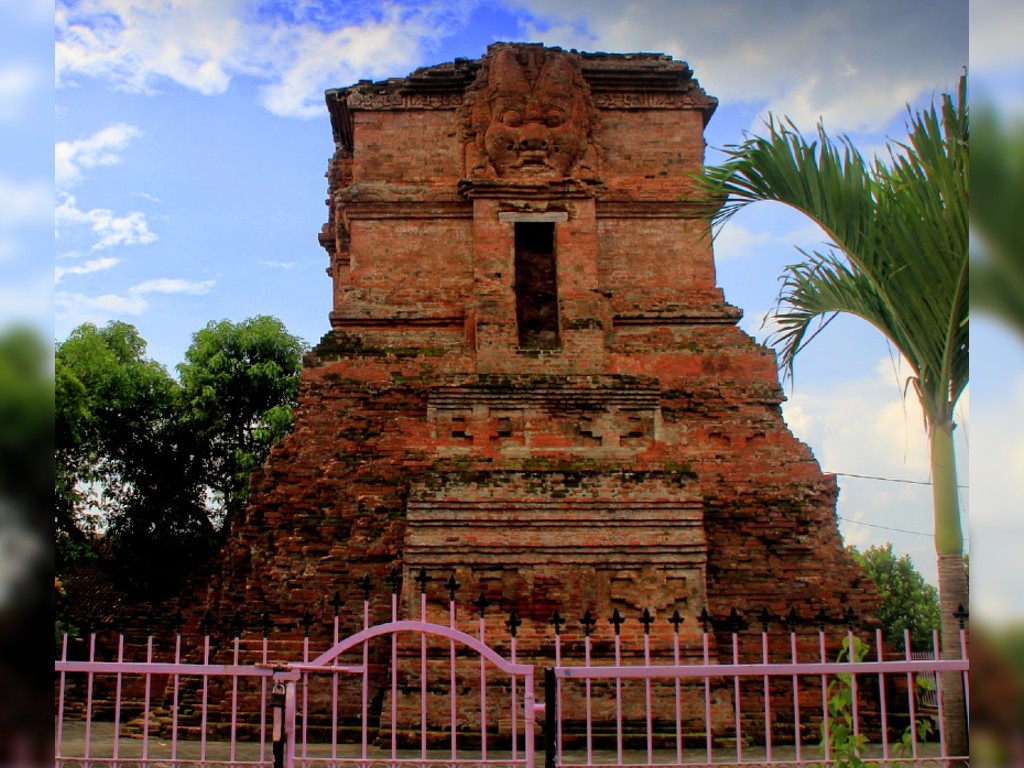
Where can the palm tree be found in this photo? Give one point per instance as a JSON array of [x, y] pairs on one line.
[[897, 258]]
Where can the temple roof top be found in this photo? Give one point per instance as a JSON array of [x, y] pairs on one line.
[[442, 85]]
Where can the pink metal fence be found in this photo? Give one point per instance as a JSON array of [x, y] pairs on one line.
[[420, 692]]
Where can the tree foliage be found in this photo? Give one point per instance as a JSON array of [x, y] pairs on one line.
[[140, 458], [908, 601], [239, 384]]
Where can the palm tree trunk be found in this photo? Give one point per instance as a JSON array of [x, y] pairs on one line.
[[953, 590]]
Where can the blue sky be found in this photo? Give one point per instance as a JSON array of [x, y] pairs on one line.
[[192, 142]]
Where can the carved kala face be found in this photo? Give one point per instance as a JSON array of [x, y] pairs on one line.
[[539, 129]]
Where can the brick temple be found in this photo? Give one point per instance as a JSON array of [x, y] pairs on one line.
[[531, 379]]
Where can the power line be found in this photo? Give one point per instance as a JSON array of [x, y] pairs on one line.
[[890, 479], [887, 528]]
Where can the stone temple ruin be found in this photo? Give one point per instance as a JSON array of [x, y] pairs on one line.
[[531, 379]]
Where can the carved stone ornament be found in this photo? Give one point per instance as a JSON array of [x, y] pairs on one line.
[[528, 115]]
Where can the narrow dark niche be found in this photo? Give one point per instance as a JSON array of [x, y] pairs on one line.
[[536, 285]]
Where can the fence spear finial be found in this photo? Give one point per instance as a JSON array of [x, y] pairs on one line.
[[307, 622], [676, 620], [647, 619], [617, 620], [481, 603], [513, 623], [556, 621], [452, 585], [704, 619], [588, 621], [365, 584], [961, 614]]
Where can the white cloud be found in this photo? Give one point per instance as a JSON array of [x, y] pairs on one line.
[[172, 285], [103, 306], [736, 241], [277, 264], [104, 147], [75, 308], [864, 427], [855, 64], [203, 45], [111, 230], [93, 265]]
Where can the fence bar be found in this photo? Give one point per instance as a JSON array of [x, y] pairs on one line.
[[423, 675], [529, 711], [394, 679], [558, 693], [940, 698], [767, 699], [289, 724], [881, 698], [965, 678], [590, 721], [453, 702], [263, 701], [851, 643], [647, 700], [618, 697], [678, 700], [736, 694], [145, 711], [234, 699], [515, 707], [798, 734], [88, 697], [483, 689], [364, 703], [206, 691], [334, 693], [305, 694], [60, 702], [911, 694], [174, 700], [707, 701], [117, 698], [826, 719]]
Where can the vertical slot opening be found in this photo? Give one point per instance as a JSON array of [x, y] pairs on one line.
[[536, 285]]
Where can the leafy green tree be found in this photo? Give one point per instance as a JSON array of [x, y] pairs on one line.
[[898, 259], [127, 475], [908, 601], [149, 470], [239, 383]]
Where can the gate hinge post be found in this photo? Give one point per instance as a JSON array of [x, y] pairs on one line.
[[550, 709]]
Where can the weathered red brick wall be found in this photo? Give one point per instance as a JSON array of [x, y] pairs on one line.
[[642, 463]]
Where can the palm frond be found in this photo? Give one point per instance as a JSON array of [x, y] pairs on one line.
[[898, 229]]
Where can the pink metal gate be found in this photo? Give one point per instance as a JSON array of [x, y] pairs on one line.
[[423, 693]]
